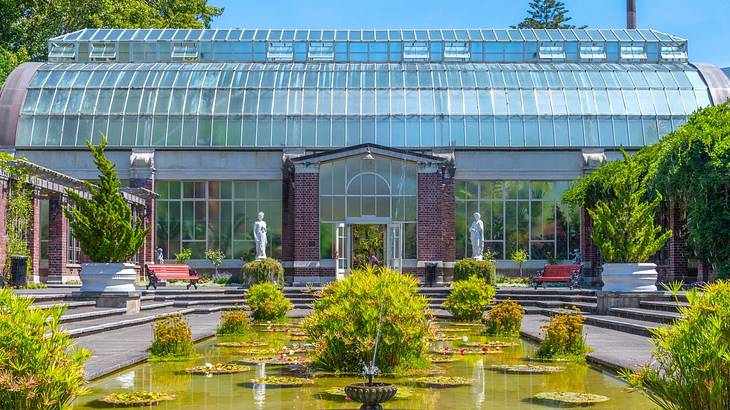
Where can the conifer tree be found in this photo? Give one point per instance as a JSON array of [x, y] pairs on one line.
[[103, 224], [547, 14]]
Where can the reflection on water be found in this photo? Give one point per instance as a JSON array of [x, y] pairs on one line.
[[490, 391]]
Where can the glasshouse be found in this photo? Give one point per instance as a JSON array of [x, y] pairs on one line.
[[357, 145]]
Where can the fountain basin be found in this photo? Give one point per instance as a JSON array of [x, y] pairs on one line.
[[370, 394]]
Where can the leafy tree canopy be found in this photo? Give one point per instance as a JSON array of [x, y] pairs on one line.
[[547, 14]]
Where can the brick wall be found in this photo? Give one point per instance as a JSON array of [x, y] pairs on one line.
[[57, 239], [34, 238], [305, 241], [287, 217], [436, 217]]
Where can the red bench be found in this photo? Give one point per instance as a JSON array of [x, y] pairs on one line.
[[559, 273], [170, 271]]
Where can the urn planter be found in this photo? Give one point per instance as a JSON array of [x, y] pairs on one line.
[[370, 394], [629, 277], [107, 277]]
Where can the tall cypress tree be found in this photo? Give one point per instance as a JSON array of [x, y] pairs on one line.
[[547, 14], [103, 224]]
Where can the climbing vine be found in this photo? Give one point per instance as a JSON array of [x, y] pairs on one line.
[[18, 213]]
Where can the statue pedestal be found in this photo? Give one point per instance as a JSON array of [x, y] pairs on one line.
[[128, 300], [608, 300]]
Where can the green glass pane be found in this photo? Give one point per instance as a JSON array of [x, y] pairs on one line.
[[326, 240], [244, 189]]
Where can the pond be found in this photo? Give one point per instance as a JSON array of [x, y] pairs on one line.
[[491, 389]]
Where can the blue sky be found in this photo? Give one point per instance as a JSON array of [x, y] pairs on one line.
[[705, 23]]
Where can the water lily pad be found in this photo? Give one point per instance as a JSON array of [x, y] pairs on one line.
[[278, 381], [443, 338], [453, 330], [431, 371], [463, 351], [571, 398], [218, 368], [339, 392], [137, 398], [443, 359], [441, 381], [527, 369], [241, 344], [274, 360], [489, 344]]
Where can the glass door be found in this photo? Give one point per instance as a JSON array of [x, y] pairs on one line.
[[340, 250], [395, 246]]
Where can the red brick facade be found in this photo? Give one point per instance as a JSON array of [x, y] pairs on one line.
[[34, 237], [436, 233], [303, 240], [57, 239]]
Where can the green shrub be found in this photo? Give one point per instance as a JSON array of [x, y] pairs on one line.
[[504, 319], [263, 270], [692, 356], [469, 298], [484, 269], [267, 302], [234, 322], [40, 367], [347, 316], [183, 256], [564, 337], [172, 339]]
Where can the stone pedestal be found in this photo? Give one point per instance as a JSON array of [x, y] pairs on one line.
[[128, 300], [608, 300]]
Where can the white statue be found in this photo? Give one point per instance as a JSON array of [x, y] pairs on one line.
[[477, 237], [160, 256], [259, 233]]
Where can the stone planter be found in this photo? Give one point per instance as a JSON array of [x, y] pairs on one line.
[[370, 395], [629, 277], [107, 277]]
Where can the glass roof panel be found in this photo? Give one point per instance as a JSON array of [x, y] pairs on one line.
[[167, 34], [634, 35], [355, 35], [409, 35], [529, 35], [435, 35], [274, 35], [475, 35], [315, 35], [181, 35], [368, 35], [555, 35], [260, 34], [542, 35], [595, 35], [462, 35], [73, 36], [100, 35], [489, 35], [612, 35], [421, 35], [515, 35], [501, 35]]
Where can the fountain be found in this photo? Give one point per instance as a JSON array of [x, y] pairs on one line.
[[371, 394]]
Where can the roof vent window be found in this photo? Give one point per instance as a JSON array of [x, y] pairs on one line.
[[456, 51], [552, 52], [633, 53], [61, 52], [321, 52], [184, 52], [674, 53], [592, 52], [103, 52], [280, 52], [415, 52]]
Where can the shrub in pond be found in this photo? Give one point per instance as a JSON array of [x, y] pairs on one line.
[[262, 271], [346, 319], [564, 337], [504, 319], [137, 398], [469, 298], [40, 368], [234, 322], [692, 356], [485, 269], [172, 339], [267, 302]]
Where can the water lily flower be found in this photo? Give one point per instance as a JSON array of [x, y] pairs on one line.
[[465, 338]]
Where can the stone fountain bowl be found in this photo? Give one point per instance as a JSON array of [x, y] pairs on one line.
[[371, 395]]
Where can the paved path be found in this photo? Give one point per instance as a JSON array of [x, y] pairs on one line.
[[612, 349], [117, 349]]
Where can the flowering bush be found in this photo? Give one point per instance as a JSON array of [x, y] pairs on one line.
[[564, 337], [263, 270], [504, 319], [40, 368], [183, 256], [469, 298], [484, 269], [267, 302], [172, 339], [234, 322], [215, 257]]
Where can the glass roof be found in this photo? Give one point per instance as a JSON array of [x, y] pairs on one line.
[[640, 35], [335, 105]]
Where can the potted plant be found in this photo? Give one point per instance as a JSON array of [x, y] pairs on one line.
[[625, 231], [519, 257], [105, 229], [215, 257]]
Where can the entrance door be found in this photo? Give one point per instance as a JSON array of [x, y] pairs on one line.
[[395, 246], [340, 251]]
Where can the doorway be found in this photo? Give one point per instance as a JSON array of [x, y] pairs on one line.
[[368, 245], [365, 241]]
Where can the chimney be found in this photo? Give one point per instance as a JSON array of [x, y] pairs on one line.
[[630, 14]]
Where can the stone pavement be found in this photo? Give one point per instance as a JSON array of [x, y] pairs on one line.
[[612, 350], [117, 349]]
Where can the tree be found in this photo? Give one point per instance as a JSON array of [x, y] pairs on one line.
[[547, 14], [104, 224], [31, 23], [519, 257], [9, 60]]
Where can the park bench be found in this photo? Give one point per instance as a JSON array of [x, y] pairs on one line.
[[569, 274], [170, 271]]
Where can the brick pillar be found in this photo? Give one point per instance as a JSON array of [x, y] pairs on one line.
[[305, 189], [589, 253], [678, 266], [287, 217], [57, 239], [3, 226], [142, 175], [34, 237], [436, 231]]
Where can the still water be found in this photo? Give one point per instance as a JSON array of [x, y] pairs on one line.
[[491, 390]]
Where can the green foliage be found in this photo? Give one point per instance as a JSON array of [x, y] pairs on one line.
[[624, 228], [692, 356], [18, 214], [172, 339], [367, 241], [485, 269], [215, 256], [564, 337], [103, 224], [40, 367], [549, 14], [234, 322], [32, 23], [350, 311], [693, 171], [9, 60], [263, 270], [519, 257], [469, 298], [504, 319], [183, 256], [267, 302]]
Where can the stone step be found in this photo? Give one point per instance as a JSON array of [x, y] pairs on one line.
[[210, 302], [199, 297], [92, 314], [546, 291], [662, 305], [583, 306], [153, 306], [68, 305], [633, 326], [647, 315], [562, 298], [45, 297], [193, 291]]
